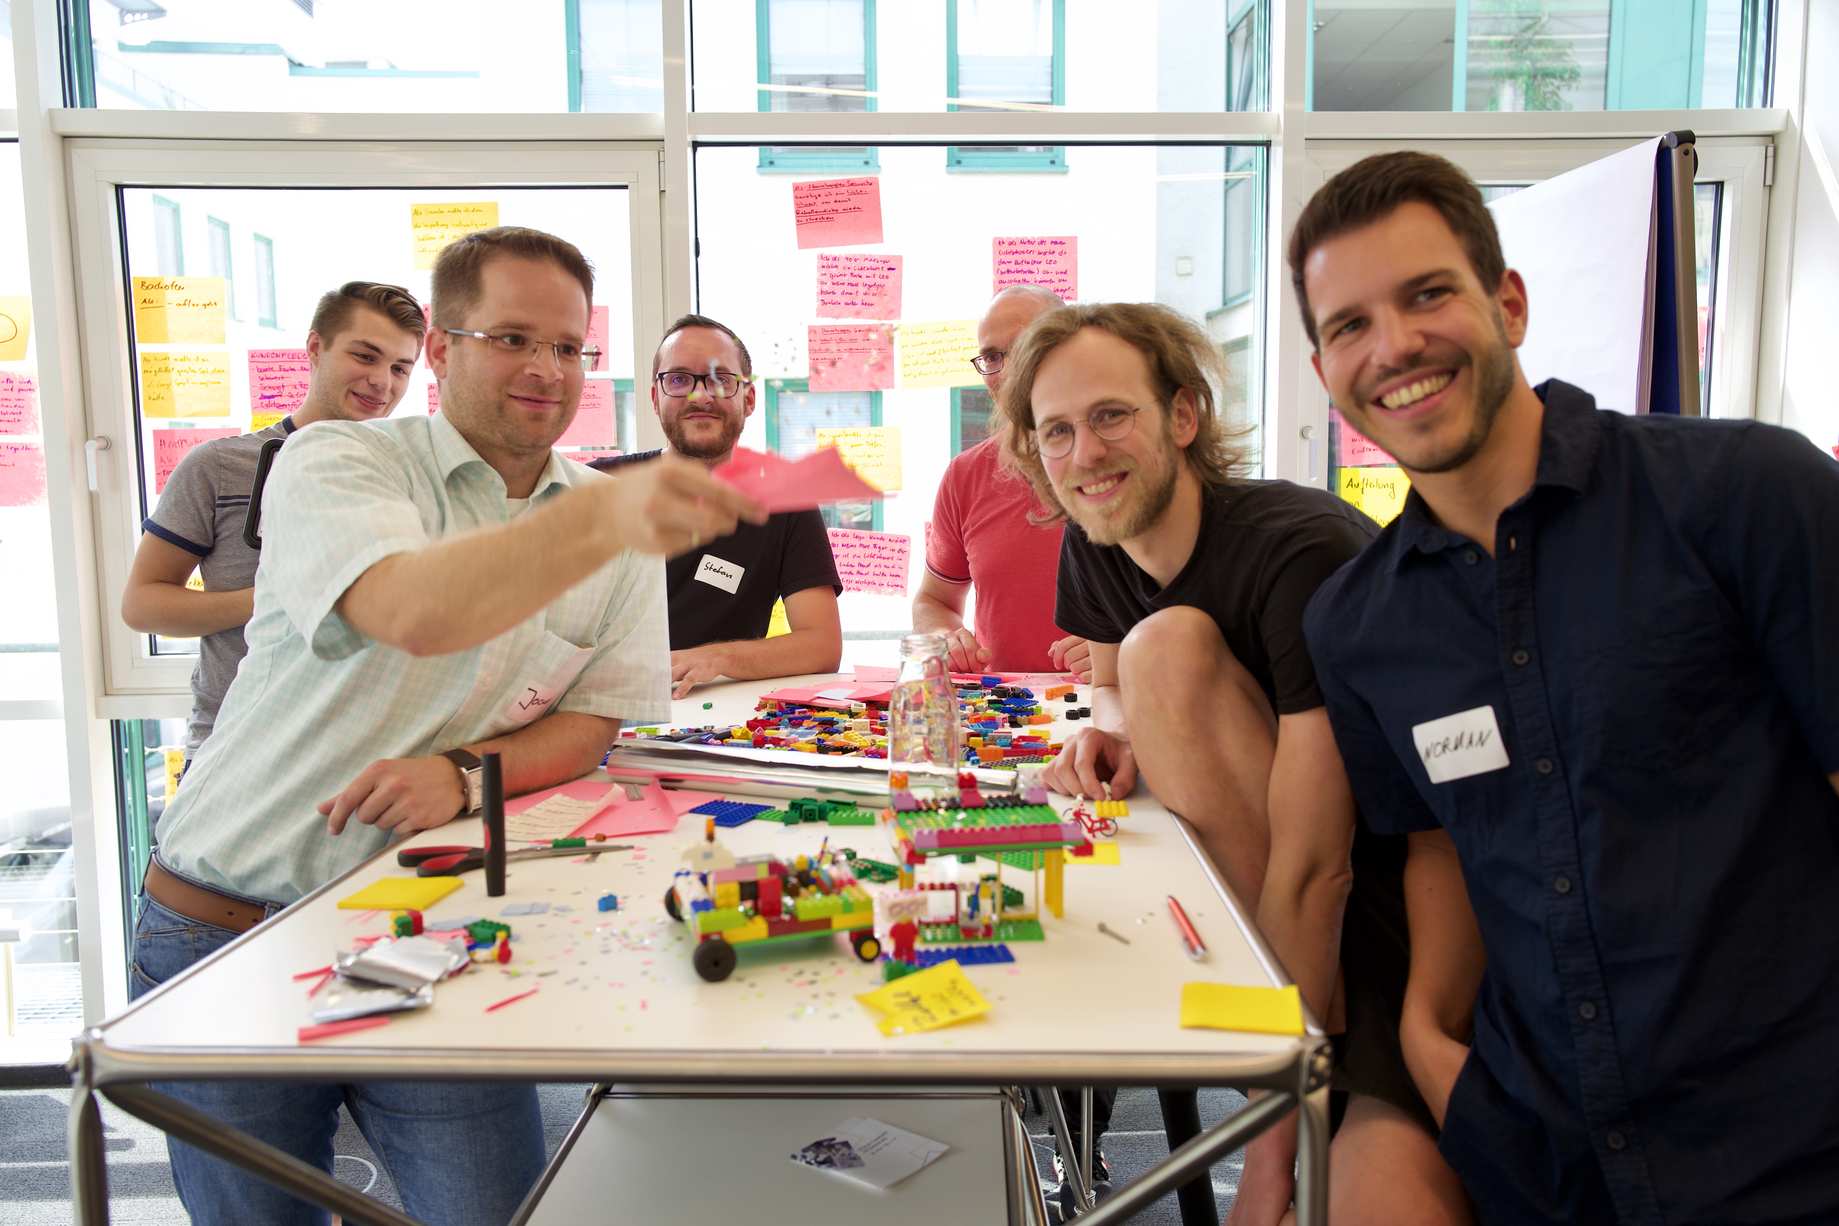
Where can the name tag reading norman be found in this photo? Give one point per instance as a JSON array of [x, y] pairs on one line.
[[1457, 746], [724, 575]]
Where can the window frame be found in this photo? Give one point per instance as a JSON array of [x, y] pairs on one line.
[[974, 159], [815, 159]]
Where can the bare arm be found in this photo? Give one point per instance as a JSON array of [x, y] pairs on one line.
[[1099, 755], [813, 645], [938, 608], [156, 600], [1447, 961]]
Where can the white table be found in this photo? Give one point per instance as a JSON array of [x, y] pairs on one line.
[[618, 1001]]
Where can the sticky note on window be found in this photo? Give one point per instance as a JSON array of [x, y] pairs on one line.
[[872, 451], [22, 474], [925, 1000], [850, 357], [937, 353], [278, 381], [179, 310], [400, 894], [16, 327], [18, 404], [171, 446], [434, 399], [854, 286], [593, 425], [1232, 1006], [261, 421], [871, 561], [1356, 449], [1380, 492], [837, 212], [436, 225], [1049, 262], [182, 383]]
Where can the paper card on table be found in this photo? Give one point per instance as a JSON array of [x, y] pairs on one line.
[[434, 399], [597, 327], [555, 813], [925, 1000], [171, 446], [593, 425], [876, 672], [795, 485], [278, 380], [871, 561], [872, 451], [1106, 854], [400, 894], [436, 225], [15, 327], [850, 357], [184, 383], [855, 286], [179, 310], [652, 813], [22, 474], [18, 404], [1049, 262], [837, 212], [1357, 450], [1231, 1006], [937, 353], [1380, 492]]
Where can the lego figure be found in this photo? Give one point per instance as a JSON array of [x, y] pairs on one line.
[[900, 914]]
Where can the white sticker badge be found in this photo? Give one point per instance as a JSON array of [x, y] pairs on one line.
[[1457, 746], [718, 573]]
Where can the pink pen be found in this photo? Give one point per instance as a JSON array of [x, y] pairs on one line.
[[1197, 949]]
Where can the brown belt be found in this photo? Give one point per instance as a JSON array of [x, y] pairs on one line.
[[195, 902]]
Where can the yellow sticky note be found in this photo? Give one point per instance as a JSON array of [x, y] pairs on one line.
[[175, 763], [1102, 853], [873, 451], [261, 421], [925, 1000], [780, 623], [935, 353], [1232, 1006], [1380, 492], [15, 327], [184, 383], [436, 225], [400, 894], [179, 310]]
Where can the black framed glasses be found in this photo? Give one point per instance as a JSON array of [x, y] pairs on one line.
[[518, 344], [1111, 423], [990, 361], [719, 383]]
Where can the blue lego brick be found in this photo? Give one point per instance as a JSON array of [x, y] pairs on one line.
[[990, 680], [702, 904], [964, 955], [729, 813]]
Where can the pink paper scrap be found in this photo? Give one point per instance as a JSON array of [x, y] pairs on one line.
[[779, 484], [652, 813]]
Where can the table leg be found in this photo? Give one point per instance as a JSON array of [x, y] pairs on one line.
[[1312, 1159], [1076, 1172], [1195, 1158], [89, 1174]]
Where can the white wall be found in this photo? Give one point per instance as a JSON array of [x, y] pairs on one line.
[[1809, 402]]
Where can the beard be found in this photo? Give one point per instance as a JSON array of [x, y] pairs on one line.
[[1142, 507], [1493, 374], [707, 449]]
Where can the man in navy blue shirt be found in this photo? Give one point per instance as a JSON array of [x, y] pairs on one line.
[[1592, 669]]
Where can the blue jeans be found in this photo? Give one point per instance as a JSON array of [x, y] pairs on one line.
[[459, 1152]]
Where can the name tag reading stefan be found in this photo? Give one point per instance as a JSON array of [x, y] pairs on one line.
[[724, 575], [1457, 746]]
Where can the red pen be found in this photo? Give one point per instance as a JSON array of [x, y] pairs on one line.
[[1197, 948]]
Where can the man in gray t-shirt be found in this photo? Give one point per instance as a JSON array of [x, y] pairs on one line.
[[361, 349]]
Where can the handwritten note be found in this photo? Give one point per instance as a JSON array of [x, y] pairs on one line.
[[594, 424], [173, 758], [278, 379], [597, 327], [1357, 450], [873, 451], [179, 310], [18, 404], [937, 353], [436, 225], [261, 421], [871, 561], [15, 327], [1051, 263], [434, 399], [184, 383], [22, 474], [1380, 492], [850, 357], [837, 212], [171, 446], [1232, 1006], [556, 813], [855, 286], [925, 1000]]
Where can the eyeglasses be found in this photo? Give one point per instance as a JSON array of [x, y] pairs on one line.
[[990, 361], [1055, 440], [516, 344], [721, 383]]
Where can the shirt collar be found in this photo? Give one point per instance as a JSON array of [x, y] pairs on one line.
[[452, 452]]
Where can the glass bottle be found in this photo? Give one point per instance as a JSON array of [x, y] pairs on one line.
[[923, 744]]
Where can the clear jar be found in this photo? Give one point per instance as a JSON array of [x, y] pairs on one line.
[[923, 743]]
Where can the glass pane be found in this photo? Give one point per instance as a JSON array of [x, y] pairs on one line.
[[1537, 55], [334, 55], [799, 415], [974, 411], [38, 898]]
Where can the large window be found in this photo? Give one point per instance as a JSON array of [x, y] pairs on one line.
[[817, 55], [1005, 55], [795, 414]]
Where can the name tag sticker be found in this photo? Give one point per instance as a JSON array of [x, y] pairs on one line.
[[716, 572], [1457, 746]]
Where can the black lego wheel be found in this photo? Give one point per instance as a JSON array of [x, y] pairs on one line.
[[714, 960], [670, 905], [867, 945]]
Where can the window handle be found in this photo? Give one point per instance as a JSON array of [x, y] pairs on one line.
[[1308, 434], [90, 449]]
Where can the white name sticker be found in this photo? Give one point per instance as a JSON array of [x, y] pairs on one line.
[[1457, 746], [724, 575]]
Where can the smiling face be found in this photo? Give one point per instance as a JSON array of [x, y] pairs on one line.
[[1114, 489], [701, 425], [361, 372], [1413, 349]]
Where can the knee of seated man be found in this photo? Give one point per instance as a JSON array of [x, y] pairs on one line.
[[1384, 1169], [1169, 642]]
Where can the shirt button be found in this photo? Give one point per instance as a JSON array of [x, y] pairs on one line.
[[1616, 1141], [1520, 657], [1513, 543], [1562, 884], [1587, 1011], [1543, 766], [1471, 557]]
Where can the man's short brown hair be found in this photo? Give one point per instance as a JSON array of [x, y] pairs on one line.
[[1181, 357], [336, 307], [1371, 188], [702, 321], [459, 267]]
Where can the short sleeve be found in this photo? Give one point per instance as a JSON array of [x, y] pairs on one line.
[[807, 561], [335, 505], [628, 676], [1078, 605], [1317, 550], [187, 512], [946, 555]]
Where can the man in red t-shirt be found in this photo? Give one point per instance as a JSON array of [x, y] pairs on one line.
[[982, 536]]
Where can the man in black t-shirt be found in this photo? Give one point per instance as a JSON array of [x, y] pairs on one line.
[[1190, 582], [722, 592]]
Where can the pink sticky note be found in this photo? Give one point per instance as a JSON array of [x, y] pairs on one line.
[[434, 399], [18, 404], [593, 425], [597, 332], [579, 789], [278, 379], [171, 446], [837, 212], [1357, 450], [850, 357], [876, 672], [854, 286], [871, 561], [1051, 263], [796, 485], [650, 814], [22, 474]]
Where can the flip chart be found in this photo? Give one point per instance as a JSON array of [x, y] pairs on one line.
[[850, 357], [1051, 263], [871, 561], [836, 212], [853, 286]]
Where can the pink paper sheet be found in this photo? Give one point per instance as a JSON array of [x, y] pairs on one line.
[[795, 485], [653, 813], [836, 212]]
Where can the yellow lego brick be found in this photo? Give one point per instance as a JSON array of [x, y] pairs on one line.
[[753, 930], [727, 894], [1110, 808]]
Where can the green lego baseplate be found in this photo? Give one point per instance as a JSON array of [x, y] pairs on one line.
[[989, 815], [949, 933]]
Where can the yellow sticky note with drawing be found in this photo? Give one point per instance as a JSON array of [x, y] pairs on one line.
[[1380, 492], [1233, 1006], [935, 353], [1102, 853], [925, 1000], [436, 225], [15, 327], [873, 451], [400, 894], [779, 623], [261, 421], [184, 383], [179, 310]]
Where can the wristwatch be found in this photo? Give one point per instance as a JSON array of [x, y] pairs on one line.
[[472, 784]]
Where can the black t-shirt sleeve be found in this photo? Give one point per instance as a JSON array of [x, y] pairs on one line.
[[1314, 550], [1079, 602], [806, 560]]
